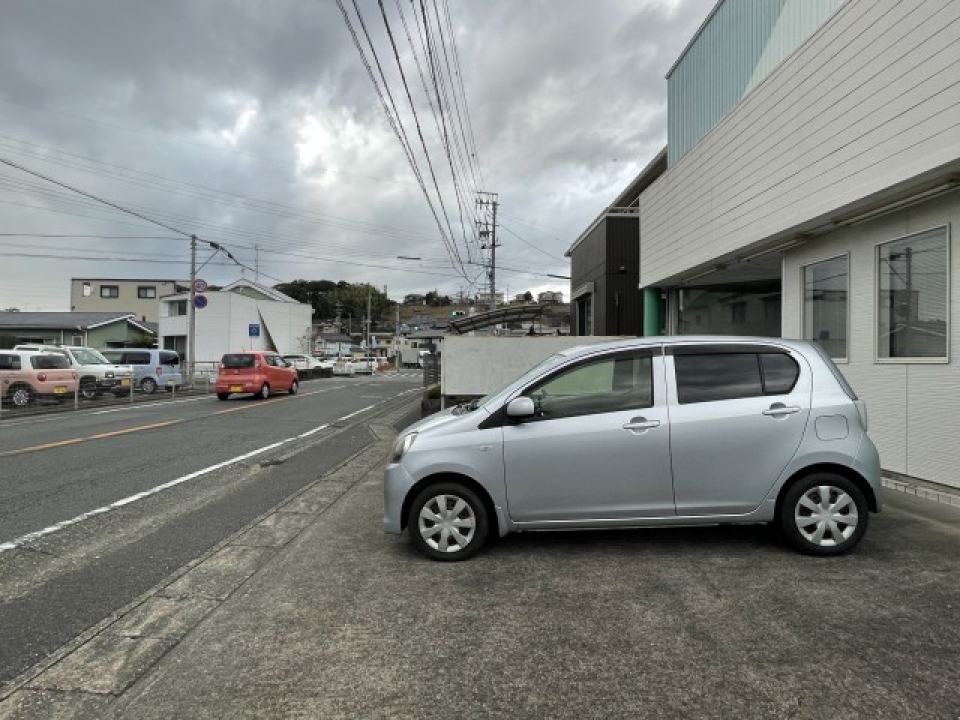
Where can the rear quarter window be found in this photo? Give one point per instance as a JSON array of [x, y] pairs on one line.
[[169, 358], [238, 361]]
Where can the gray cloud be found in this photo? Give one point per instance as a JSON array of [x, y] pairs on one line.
[[271, 101]]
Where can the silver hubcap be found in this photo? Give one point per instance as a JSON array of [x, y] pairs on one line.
[[826, 516], [21, 397], [447, 523]]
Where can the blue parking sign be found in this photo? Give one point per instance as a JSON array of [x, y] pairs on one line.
[[254, 330]]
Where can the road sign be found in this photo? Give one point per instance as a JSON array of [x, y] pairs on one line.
[[200, 285], [200, 302], [254, 330]]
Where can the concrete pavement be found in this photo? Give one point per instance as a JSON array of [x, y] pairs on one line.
[[312, 612]]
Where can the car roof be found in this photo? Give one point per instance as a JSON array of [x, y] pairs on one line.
[[655, 340]]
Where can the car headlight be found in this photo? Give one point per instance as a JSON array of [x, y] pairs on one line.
[[401, 446]]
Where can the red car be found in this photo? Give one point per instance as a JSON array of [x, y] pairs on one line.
[[258, 373]]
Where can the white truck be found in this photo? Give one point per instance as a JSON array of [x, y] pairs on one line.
[[95, 374], [412, 357]]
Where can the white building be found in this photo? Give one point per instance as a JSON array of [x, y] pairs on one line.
[[811, 191], [240, 316]]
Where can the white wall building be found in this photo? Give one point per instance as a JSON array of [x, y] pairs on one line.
[[240, 316], [819, 198]]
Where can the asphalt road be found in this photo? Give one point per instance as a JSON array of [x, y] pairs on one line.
[[97, 506]]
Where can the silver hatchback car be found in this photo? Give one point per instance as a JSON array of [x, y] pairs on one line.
[[646, 432]]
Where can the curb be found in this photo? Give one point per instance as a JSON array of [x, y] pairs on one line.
[[939, 494]]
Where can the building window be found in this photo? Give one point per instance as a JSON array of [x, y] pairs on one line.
[[76, 340], [146, 292], [176, 308], [87, 290], [109, 291], [177, 343], [913, 287], [826, 304], [738, 313]]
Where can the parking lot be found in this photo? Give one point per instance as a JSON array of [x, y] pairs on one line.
[[345, 621]]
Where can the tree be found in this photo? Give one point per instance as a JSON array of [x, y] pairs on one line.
[[528, 296]]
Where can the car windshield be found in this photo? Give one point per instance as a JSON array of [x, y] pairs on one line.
[[238, 361], [88, 356], [52, 361]]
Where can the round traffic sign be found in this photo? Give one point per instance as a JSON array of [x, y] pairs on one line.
[[200, 302], [200, 285]]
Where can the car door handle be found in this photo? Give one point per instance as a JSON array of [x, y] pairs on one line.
[[641, 424], [778, 410]]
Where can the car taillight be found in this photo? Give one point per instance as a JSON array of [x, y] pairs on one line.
[[42, 377]]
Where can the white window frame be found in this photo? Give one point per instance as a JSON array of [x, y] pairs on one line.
[[115, 288], [845, 360], [143, 292], [876, 300]]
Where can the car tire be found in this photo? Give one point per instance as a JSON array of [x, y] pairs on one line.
[[823, 514], [20, 396], [264, 391], [148, 386], [294, 387], [88, 389], [438, 517], [222, 396]]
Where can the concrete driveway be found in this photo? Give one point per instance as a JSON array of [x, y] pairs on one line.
[[346, 622]]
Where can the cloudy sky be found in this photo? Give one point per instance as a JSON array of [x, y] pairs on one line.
[[255, 125]]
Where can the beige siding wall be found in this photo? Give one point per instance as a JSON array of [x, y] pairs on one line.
[[912, 405], [870, 101], [127, 300]]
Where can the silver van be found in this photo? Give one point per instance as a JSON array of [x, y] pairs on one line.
[[646, 432], [152, 368]]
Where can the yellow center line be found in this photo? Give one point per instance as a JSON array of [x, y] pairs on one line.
[[114, 433], [126, 431]]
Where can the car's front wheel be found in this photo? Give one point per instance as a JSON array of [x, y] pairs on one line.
[[294, 387], [447, 521], [824, 514]]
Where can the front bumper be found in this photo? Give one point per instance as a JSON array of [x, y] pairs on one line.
[[396, 485]]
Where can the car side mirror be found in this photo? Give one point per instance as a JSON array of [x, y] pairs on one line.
[[521, 408]]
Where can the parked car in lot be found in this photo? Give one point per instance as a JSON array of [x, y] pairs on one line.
[[310, 364], [646, 432], [152, 368], [95, 373], [27, 376], [258, 373]]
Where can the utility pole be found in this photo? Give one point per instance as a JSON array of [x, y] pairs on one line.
[[192, 310], [396, 339], [488, 237], [366, 324]]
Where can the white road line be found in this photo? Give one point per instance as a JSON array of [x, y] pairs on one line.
[[30, 537]]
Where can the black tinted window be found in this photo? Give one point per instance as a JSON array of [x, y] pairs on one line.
[[49, 362], [725, 376], [136, 358], [9, 362], [238, 361], [780, 373], [169, 358]]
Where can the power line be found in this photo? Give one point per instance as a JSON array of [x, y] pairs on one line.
[[527, 242]]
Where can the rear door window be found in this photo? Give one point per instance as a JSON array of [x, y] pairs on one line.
[[169, 358], [721, 376], [9, 362], [136, 358], [238, 361]]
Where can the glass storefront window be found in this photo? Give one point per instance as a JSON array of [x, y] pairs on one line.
[[913, 288], [825, 305], [736, 309]]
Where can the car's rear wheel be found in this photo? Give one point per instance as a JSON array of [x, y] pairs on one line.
[[294, 387], [148, 385], [447, 521], [21, 396], [222, 396], [264, 391], [824, 514]]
